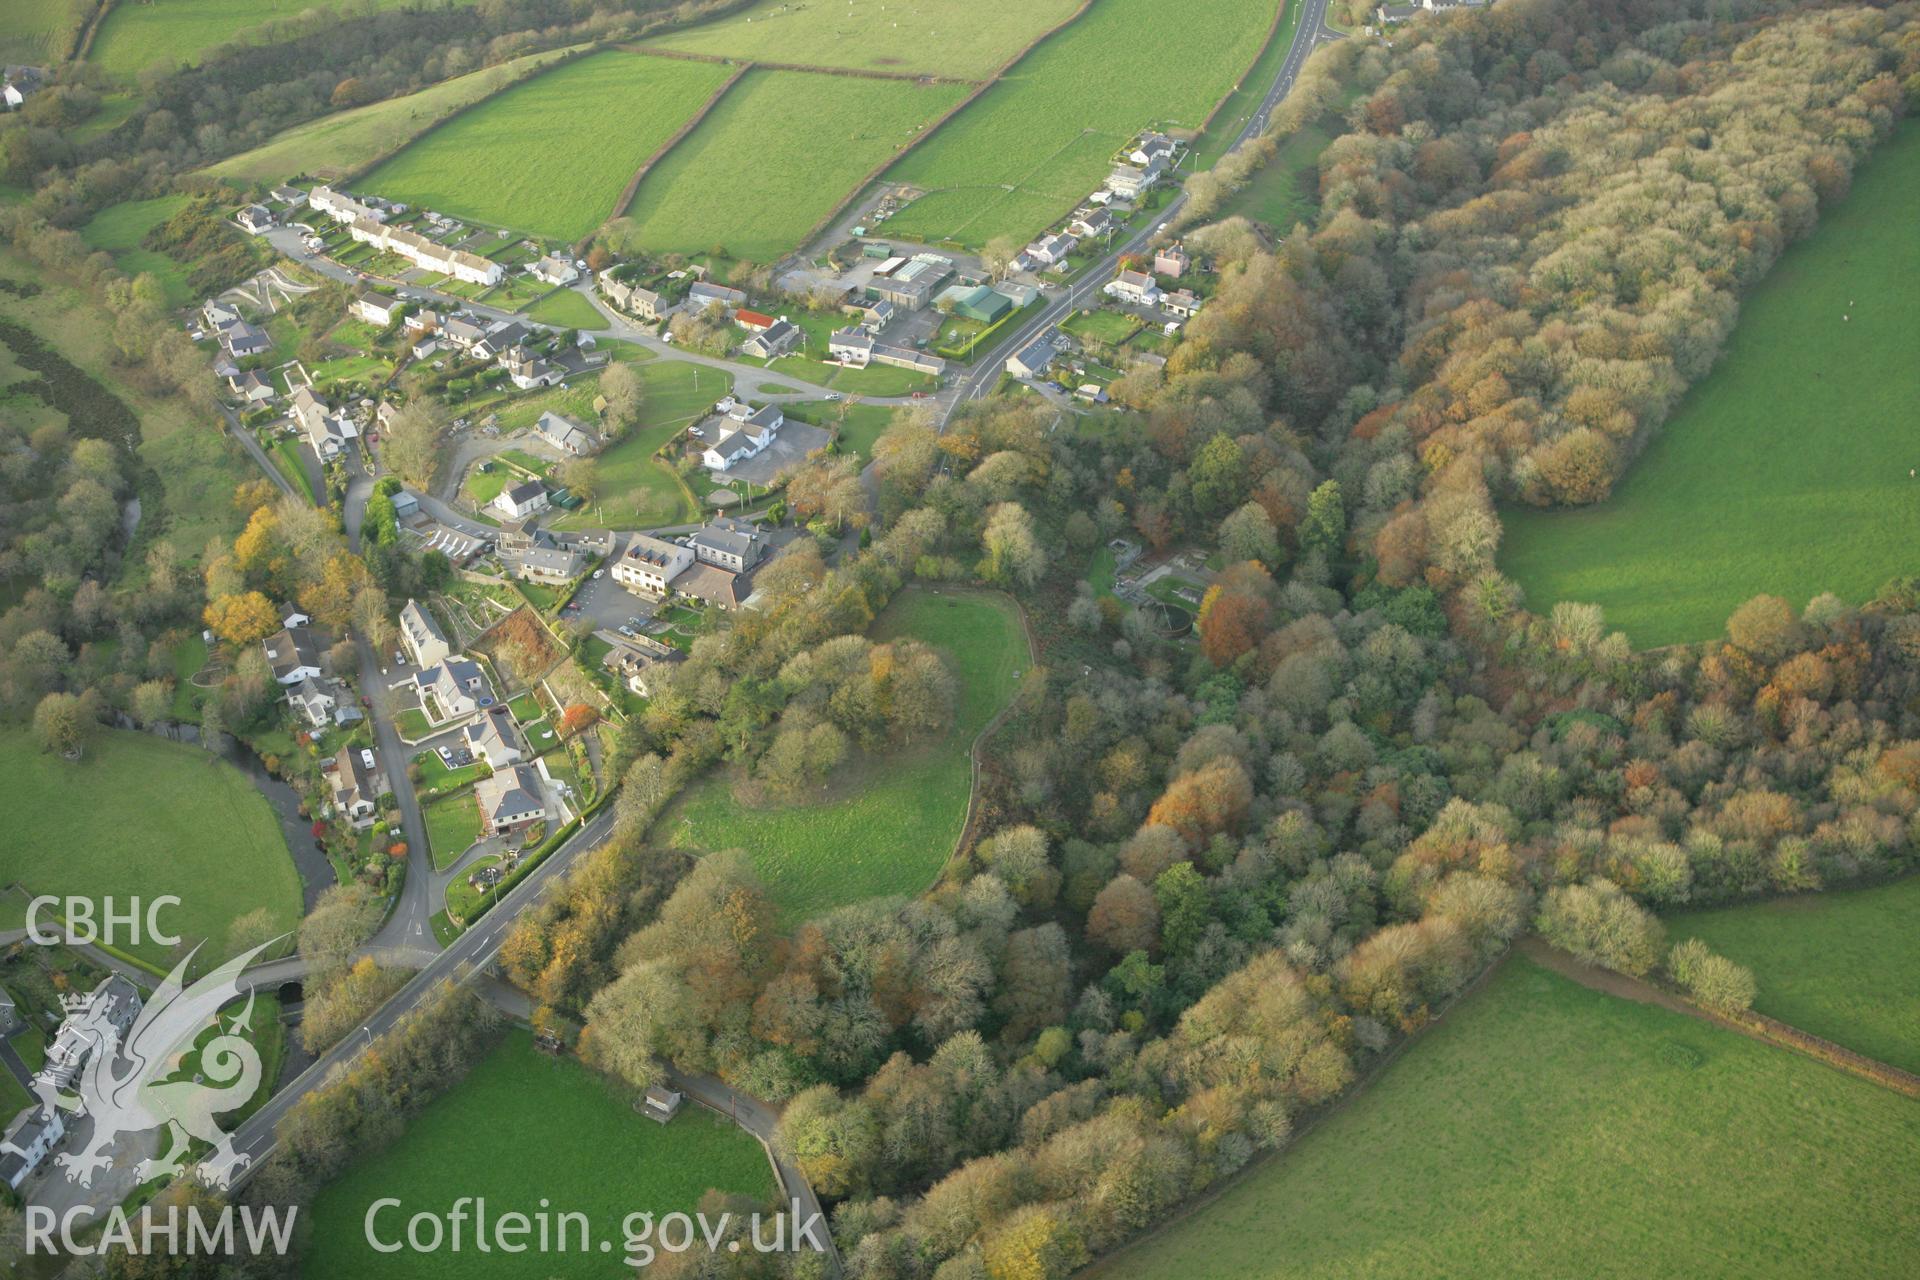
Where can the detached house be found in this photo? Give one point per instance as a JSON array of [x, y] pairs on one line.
[[1130, 182], [521, 500], [327, 431], [554, 270], [1183, 303], [457, 686], [1032, 360], [527, 371], [746, 440], [242, 339], [116, 1003], [566, 435], [703, 295], [495, 738], [543, 562], [1136, 287], [251, 387], [729, 543], [511, 801], [1152, 147], [420, 635], [255, 219], [772, 341], [293, 655], [376, 308], [649, 565], [1171, 260], [37, 1130], [631, 298], [314, 701], [358, 784], [218, 314]]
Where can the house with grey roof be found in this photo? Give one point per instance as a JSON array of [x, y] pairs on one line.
[[729, 543], [1032, 360], [457, 687], [495, 738], [242, 339], [518, 501], [511, 800], [29, 1140], [421, 636], [115, 1003], [293, 654], [358, 784], [772, 341], [314, 700], [649, 565], [566, 435], [543, 561], [328, 432]]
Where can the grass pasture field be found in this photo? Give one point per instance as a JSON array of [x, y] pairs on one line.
[[578, 1145], [1032, 146], [891, 828], [35, 31], [1787, 470], [1286, 190], [966, 39], [175, 32], [346, 142], [118, 229], [1843, 964], [139, 816], [552, 155], [773, 158], [1547, 1129]]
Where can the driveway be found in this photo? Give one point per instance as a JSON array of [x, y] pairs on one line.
[[790, 447], [610, 606]]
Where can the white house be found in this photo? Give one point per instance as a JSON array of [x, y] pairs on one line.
[[1136, 287], [376, 308], [521, 500], [293, 654], [328, 432], [734, 444], [649, 565], [421, 636], [358, 784], [1152, 147], [456, 686], [511, 800], [495, 738], [564, 434], [1032, 360], [527, 371], [554, 270], [255, 219], [342, 207], [34, 1133]]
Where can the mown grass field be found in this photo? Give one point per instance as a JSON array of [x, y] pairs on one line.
[[136, 36], [774, 157], [119, 229], [337, 145], [552, 156], [1544, 1129], [139, 816], [892, 827], [970, 39], [636, 490], [570, 1141], [198, 468], [1787, 470], [1030, 148], [1844, 965], [566, 309], [34, 31]]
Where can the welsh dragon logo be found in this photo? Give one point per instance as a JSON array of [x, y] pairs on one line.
[[122, 1086]]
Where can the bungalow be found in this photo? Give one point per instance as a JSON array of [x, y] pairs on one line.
[[457, 686], [1172, 260], [1032, 360], [1136, 287], [463, 333], [729, 543], [495, 738], [554, 270], [255, 219], [293, 654], [502, 337], [565, 434], [421, 636], [703, 295], [376, 308], [772, 341], [1052, 250], [543, 562], [358, 784], [527, 371], [753, 434], [251, 387], [521, 500], [714, 585], [649, 565], [511, 801], [292, 197], [327, 431], [242, 339], [34, 1133], [850, 347], [1095, 222], [314, 701], [424, 321], [1182, 302]]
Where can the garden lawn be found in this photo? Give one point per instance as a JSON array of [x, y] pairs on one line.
[[140, 816], [566, 309], [860, 426], [552, 156], [970, 39], [898, 827], [1843, 964], [436, 779], [173, 32], [634, 488], [346, 142], [120, 228], [1110, 327], [576, 1144], [1787, 470], [453, 824], [774, 157], [1032, 146], [1544, 1129], [463, 899]]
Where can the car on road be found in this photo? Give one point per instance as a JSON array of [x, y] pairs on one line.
[[599, 574], [835, 395]]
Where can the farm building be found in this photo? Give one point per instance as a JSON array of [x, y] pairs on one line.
[[983, 304]]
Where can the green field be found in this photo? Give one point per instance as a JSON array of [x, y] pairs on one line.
[[34, 31], [1844, 964], [453, 824], [173, 32], [860, 426], [139, 816], [636, 489], [566, 309], [1787, 470], [338, 145], [1545, 1129], [774, 157], [891, 829], [120, 228], [552, 156], [1285, 191], [1030, 148], [525, 1130], [970, 39]]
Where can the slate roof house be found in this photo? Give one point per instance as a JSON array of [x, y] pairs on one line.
[[328, 432], [527, 371], [457, 686], [729, 543], [293, 654], [421, 636], [358, 784], [565, 434], [632, 298], [543, 562], [1136, 287], [522, 500], [772, 341], [255, 219], [242, 339], [554, 270], [29, 1140], [650, 565], [511, 800], [376, 308], [753, 434], [495, 738], [313, 700], [116, 1002], [1032, 360]]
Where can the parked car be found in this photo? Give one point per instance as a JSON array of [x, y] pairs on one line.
[[599, 573], [627, 631]]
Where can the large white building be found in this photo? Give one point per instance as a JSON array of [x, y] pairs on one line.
[[650, 564]]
